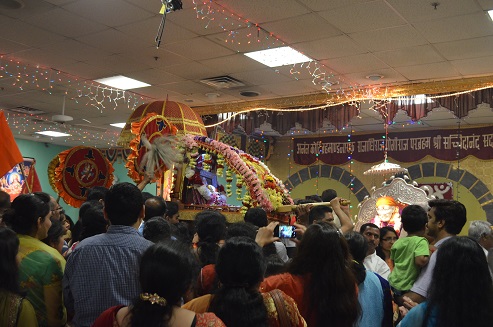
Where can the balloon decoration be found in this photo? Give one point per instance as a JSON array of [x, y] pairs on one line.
[[73, 172], [155, 148]]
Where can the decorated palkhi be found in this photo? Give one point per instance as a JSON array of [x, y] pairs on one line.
[[74, 171], [169, 146]]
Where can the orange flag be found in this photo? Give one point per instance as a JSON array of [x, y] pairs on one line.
[[9, 152]]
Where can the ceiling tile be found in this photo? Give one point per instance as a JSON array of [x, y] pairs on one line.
[[147, 55], [119, 64], [428, 71], [329, 48], [233, 64], [160, 93], [193, 70], [222, 98], [155, 76], [189, 88], [389, 38], [314, 28], [10, 47], [354, 64], [246, 40], [456, 28], [108, 12], [389, 76], [149, 28], [308, 71], [261, 77], [29, 35], [85, 70], [422, 54], [31, 7], [365, 16], [464, 49], [203, 49], [75, 50], [320, 5], [114, 41], [43, 58], [293, 88], [486, 4], [262, 11], [65, 23], [420, 10], [203, 24], [476, 66]]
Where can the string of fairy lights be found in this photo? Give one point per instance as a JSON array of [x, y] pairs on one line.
[[240, 32], [22, 124], [88, 92], [91, 94]]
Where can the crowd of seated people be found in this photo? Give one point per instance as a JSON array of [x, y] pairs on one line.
[[130, 261]]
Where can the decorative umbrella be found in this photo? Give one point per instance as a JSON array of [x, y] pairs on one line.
[[176, 113]]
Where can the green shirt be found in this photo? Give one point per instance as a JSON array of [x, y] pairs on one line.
[[40, 275], [403, 253]]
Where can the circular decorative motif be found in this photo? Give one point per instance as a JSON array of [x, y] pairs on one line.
[[73, 172]]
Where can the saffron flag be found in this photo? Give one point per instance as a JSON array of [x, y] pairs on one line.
[[9, 152]]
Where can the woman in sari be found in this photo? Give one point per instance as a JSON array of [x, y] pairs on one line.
[[15, 310], [41, 266], [166, 274], [240, 268]]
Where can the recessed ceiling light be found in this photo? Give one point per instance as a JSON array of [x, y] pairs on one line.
[[249, 94], [212, 95], [374, 77], [278, 56], [119, 125], [122, 82], [490, 12], [53, 133]]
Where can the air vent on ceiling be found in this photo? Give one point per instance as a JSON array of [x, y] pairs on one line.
[[222, 82], [27, 110]]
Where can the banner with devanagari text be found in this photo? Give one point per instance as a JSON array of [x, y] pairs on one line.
[[446, 144]]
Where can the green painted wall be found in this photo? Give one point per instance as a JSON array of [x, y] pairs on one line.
[[44, 153]]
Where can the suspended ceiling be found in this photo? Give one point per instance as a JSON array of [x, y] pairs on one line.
[[405, 42]]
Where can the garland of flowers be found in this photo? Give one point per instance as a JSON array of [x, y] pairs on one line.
[[269, 198]]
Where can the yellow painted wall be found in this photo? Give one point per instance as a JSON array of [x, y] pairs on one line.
[[282, 166]]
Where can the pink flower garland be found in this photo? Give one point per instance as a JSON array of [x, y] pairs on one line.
[[233, 157]]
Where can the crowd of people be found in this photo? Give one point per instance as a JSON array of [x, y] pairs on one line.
[[130, 261]]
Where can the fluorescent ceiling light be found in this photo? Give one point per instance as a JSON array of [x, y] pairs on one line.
[[119, 125], [53, 133], [278, 56], [122, 82], [490, 12]]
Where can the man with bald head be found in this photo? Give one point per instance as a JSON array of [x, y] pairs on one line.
[[154, 207]]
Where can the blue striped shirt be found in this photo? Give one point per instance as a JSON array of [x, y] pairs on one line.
[[103, 271]]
